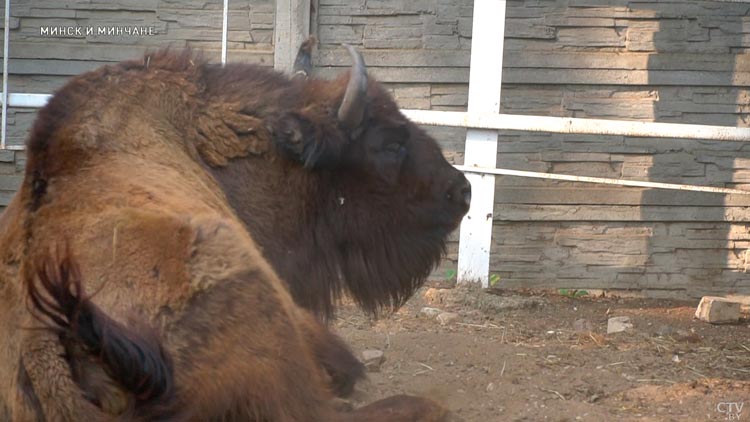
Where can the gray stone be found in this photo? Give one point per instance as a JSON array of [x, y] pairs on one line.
[[717, 310], [618, 324], [430, 312], [373, 359]]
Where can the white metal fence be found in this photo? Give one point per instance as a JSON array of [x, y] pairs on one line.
[[483, 121]]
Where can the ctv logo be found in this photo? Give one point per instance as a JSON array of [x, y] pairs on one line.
[[732, 411]]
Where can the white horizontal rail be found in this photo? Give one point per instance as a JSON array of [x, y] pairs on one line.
[[526, 123], [28, 100], [601, 180], [576, 125]]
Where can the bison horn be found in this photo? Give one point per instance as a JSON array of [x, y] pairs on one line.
[[352, 108]]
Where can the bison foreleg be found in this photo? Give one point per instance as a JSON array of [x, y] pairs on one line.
[[343, 368]]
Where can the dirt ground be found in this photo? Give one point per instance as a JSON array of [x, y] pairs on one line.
[[535, 356]]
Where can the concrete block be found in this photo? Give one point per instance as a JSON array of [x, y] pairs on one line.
[[717, 310]]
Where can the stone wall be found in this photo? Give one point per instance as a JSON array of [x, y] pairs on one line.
[[683, 62]]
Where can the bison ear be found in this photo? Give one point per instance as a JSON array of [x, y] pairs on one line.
[[303, 62], [352, 109], [297, 137]]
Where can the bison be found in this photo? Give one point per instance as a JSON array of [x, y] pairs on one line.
[[180, 223]]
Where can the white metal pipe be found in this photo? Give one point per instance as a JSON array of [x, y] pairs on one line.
[[224, 29], [485, 76], [6, 49], [601, 180], [576, 125], [521, 122], [27, 100]]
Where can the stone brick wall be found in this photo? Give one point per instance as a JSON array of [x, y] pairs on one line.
[[652, 60]]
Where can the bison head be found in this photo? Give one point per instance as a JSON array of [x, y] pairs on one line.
[[353, 197]]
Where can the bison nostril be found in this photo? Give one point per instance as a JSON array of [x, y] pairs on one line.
[[466, 194], [459, 192]]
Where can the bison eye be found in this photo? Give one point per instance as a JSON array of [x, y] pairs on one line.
[[394, 147]]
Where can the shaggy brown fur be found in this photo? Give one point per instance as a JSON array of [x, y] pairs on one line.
[[135, 167]]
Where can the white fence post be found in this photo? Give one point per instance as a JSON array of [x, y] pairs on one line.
[[488, 31], [224, 29], [6, 51]]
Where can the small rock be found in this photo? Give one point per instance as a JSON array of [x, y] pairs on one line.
[[373, 359], [583, 326], [676, 359], [430, 312], [717, 310], [446, 318], [618, 324], [490, 387]]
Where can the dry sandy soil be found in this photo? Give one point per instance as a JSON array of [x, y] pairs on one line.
[[533, 356]]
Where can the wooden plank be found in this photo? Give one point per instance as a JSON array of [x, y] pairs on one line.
[[405, 74], [61, 50], [291, 29], [546, 60], [621, 196], [10, 183], [6, 156], [541, 76], [52, 67], [629, 61], [396, 58], [626, 77], [648, 213], [5, 198]]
